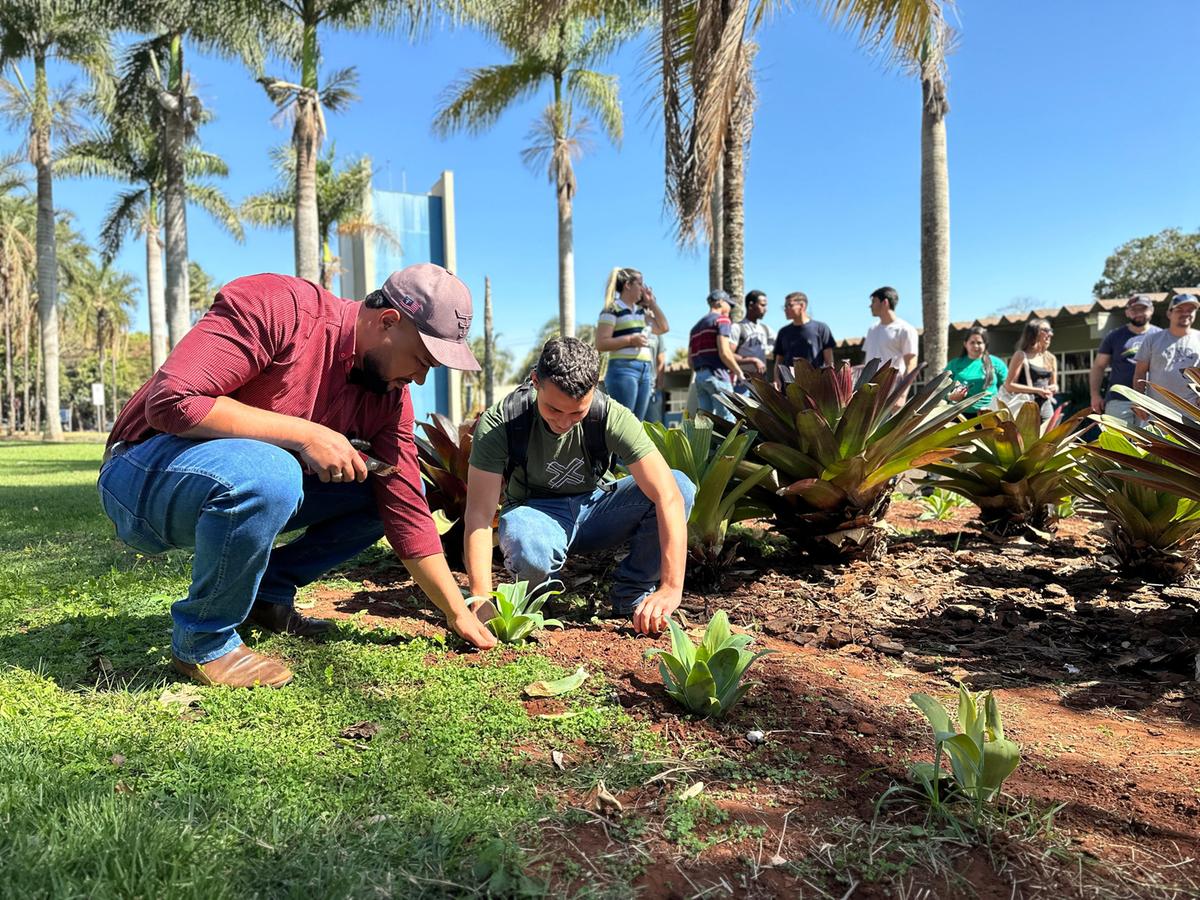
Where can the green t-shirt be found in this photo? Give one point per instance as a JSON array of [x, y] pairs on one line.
[[555, 463], [970, 372]]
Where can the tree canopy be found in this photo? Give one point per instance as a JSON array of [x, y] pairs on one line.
[[1157, 262]]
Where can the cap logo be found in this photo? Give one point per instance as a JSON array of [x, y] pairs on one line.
[[408, 303], [464, 324]]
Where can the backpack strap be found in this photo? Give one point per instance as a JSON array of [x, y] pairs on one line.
[[595, 445]]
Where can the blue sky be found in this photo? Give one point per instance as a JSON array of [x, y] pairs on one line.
[[1071, 131]]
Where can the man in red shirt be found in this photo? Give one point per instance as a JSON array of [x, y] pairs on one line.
[[244, 433]]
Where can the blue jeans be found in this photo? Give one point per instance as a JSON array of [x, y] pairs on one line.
[[630, 382], [709, 383], [229, 499], [536, 536]]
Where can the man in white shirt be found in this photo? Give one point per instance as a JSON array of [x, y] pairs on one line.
[[892, 339]]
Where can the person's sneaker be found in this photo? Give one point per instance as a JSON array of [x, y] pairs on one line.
[[283, 619], [240, 667]]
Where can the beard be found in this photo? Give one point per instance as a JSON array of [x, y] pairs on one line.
[[367, 376]]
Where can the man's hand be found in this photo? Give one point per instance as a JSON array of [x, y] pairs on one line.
[[1097, 403], [757, 365], [652, 614], [329, 456], [467, 626]]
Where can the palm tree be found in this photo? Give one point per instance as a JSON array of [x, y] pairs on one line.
[[156, 87], [133, 154], [558, 56], [99, 304], [293, 27], [341, 200], [40, 30], [930, 66], [18, 263]]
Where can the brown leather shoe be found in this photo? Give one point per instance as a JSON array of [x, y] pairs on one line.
[[281, 619], [237, 668]]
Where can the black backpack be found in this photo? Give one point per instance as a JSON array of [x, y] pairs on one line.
[[519, 411]]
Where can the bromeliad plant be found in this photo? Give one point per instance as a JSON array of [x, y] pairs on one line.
[[706, 678], [981, 758], [518, 610], [939, 505], [839, 444], [723, 482], [1150, 530], [1013, 472]]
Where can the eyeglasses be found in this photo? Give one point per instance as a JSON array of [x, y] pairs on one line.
[[1046, 331]]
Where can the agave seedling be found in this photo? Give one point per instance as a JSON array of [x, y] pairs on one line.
[[839, 444], [981, 758], [722, 482], [706, 678], [939, 505], [1151, 530], [1015, 473], [517, 610]]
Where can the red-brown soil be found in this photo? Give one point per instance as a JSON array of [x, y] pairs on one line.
[[1095, 676]]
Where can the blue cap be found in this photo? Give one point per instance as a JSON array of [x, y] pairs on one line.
[[1180, 299], [718, 296]]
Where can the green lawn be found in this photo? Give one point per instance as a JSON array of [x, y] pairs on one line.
[[109, 792]]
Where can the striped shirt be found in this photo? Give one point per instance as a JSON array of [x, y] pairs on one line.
[[626, 320], [702, 342], [285, 345]]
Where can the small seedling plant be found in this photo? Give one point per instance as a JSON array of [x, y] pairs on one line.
[[939, 505], [706, 678], [981, 758], [519, 610]]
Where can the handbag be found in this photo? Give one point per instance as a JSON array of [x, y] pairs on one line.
[[1013, 400]]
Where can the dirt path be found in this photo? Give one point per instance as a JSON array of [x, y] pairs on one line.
[[1094, 676]]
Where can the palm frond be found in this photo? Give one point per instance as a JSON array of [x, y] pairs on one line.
[[210, 199], [200, 163], [473, 104], [127, 213], [598, 94], [271, 209], [338, 92]]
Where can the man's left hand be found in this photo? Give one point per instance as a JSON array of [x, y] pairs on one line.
[[652, 614]]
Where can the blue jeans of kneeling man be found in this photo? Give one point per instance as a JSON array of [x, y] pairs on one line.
[[229, 499], [536, 536]]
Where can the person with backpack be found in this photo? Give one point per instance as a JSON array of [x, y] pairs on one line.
[[548, 446]]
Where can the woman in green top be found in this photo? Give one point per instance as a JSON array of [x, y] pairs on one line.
[[979, 371]]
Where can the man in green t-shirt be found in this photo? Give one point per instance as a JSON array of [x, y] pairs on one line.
[[555, 502]]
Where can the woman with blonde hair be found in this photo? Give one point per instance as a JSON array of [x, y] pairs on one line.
[[630, 318], [1032, 370]]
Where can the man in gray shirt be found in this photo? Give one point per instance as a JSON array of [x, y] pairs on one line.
[[1162, 357]]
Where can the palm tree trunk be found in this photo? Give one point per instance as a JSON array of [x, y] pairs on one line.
[[327, 265], [733, 216], [47, 252], [716, 236], [307, 140], [26, 356], [154, 291], [10, 388], [38, 383], [100, 353], [489, 350], [566, 265], [112, 356], [179, 318], [935, 225]]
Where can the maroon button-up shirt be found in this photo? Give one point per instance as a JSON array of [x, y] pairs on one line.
[[286, 345]]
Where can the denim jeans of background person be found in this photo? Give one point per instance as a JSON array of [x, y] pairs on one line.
[[274, 381], [710, 383], [630, 382]]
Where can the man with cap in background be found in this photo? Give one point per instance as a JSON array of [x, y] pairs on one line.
[[710, 354], [1118, 349], [1162, 357], [244, 434]]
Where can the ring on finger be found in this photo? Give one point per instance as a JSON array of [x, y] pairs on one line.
[[337, 476]]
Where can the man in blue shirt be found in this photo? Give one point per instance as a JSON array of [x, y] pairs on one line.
[[1118, 349], [805, 338]]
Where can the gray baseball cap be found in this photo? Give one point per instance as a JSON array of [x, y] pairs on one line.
[[439, 304], [719, 296], [1140, 300]]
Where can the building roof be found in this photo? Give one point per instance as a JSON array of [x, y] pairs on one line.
[[1049, 312]]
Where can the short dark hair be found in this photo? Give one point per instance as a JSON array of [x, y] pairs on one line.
[[888, 294], [571, 365], [376, 300], [799, 295], [754, 296]]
